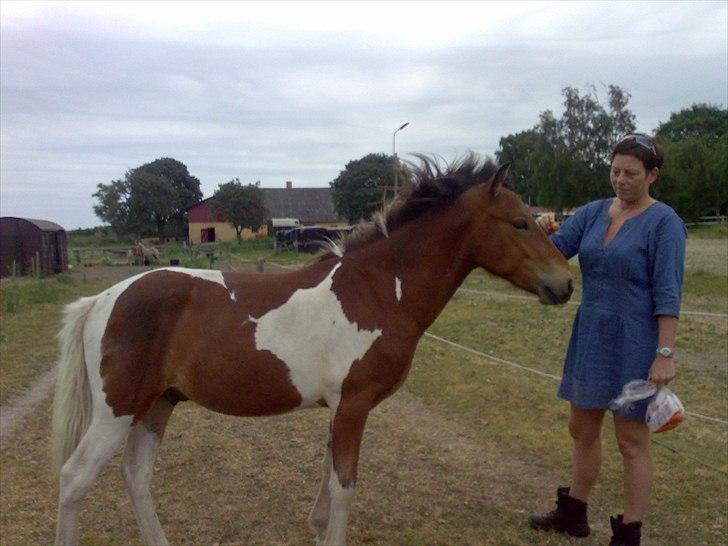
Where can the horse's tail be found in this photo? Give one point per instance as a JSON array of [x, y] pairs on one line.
[[72, 401]]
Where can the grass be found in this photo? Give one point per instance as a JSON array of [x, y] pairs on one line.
[[31, 314], [461, 456], [207, 255]]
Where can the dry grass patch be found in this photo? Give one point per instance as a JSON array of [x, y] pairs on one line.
[[424, 479]]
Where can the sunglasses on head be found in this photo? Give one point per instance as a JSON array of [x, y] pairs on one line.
[[642, 140]]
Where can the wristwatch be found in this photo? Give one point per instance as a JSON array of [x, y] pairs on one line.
[[665, 351]]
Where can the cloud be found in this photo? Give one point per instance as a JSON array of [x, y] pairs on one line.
[[294, 91]]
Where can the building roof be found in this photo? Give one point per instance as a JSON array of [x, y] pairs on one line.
[[308, 205], [43, 225]]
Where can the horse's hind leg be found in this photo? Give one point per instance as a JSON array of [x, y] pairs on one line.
[[138, 466], [318, 520], [99, 443]]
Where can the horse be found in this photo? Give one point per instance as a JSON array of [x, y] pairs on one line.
[[339, 334], [143, 252]]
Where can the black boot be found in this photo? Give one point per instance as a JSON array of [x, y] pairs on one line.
[[625, 534], [569, 516]]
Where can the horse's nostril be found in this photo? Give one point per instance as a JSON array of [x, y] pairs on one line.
[[570, 286]]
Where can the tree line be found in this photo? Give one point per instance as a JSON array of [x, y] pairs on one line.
[[561, 162]]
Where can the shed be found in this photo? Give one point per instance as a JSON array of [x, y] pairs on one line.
[[28, 245]]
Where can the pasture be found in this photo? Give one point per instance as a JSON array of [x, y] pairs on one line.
[[460, 455]]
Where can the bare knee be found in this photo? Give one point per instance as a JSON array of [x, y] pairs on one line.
[[632, 448], [585, 428]]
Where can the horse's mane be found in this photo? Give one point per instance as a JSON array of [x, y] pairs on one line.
[[432, 186]]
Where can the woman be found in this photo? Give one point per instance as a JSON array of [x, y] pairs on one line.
[[631, 254]]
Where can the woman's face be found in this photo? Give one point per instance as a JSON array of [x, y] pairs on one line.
[[630, 180]]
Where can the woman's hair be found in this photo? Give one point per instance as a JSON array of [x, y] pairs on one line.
[[643, 148]]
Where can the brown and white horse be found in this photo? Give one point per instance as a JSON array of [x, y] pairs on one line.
[[340, 333]]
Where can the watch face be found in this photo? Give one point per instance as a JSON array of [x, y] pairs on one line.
[[665, 351]]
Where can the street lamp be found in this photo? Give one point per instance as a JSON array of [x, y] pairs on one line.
[[394, 156]]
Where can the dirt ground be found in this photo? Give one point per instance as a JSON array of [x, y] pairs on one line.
[[424, 479]]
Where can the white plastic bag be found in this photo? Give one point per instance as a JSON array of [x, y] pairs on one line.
[[664, 412]]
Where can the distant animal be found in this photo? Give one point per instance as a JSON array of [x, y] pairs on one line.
[[340, 333], [145, 253]]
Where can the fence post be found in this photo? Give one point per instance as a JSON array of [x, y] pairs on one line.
[[260, 265]]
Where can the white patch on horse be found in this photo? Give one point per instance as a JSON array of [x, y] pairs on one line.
[[206, 274], [398, 288], [311, 334], [340, 507], [232, 296]]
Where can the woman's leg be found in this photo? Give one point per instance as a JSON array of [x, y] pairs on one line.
[[633, 440], [585, 426]]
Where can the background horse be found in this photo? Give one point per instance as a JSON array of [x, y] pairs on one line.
[[144, 253], [340, 333]]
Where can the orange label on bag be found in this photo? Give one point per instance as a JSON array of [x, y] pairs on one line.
[[674, 421]]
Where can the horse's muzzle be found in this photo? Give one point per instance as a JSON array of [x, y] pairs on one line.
[[556, 292]]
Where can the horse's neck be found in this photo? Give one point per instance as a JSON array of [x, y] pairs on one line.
[[429, 262]]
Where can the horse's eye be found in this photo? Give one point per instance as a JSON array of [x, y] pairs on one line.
[[520, 224]]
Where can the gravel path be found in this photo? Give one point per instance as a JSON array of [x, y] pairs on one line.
[[19, 408]]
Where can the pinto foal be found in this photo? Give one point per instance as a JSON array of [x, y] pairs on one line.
[[340, 333]]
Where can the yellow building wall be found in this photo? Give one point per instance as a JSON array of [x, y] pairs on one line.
[[224, 232]]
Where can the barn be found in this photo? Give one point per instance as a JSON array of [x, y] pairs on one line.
[[30, 247], [310, 206]]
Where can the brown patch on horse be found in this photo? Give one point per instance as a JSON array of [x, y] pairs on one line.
[[158, 343]]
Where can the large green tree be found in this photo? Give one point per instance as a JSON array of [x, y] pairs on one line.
[[242, 205], [149, 198], [364, 184], [564, 162], [694, 178]]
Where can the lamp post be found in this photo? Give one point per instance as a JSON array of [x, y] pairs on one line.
[[394, 156]]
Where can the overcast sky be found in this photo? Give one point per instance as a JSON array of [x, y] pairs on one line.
[[293, 91]]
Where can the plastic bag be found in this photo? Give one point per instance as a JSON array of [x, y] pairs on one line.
[[664, 411]]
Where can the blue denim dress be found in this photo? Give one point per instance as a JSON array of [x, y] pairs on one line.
[[626, 285]]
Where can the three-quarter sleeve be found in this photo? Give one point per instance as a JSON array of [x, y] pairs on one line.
[[568, 238], [667, 257]]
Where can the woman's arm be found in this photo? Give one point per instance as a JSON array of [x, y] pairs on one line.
[[663, 368]]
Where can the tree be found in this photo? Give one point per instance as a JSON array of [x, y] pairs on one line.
[[702, 121], [186, 188], [564, 162], [149, 198], [151, 201], [113, 207], [364, 184], [242, 206], [694, 178]]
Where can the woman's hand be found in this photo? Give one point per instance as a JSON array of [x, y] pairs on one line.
[[662, 371], [547, 222]]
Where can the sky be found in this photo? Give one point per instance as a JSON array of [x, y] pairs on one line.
[[281, 91]]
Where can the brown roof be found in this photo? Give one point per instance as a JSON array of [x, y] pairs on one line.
[[43, 225]]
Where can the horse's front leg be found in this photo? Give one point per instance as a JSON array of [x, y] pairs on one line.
[[346, 435]]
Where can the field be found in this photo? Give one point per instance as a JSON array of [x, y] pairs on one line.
[[461, 455]]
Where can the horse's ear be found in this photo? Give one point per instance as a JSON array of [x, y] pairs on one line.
[[499, 178]]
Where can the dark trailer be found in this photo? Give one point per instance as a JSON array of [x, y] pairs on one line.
[[31, 247]]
